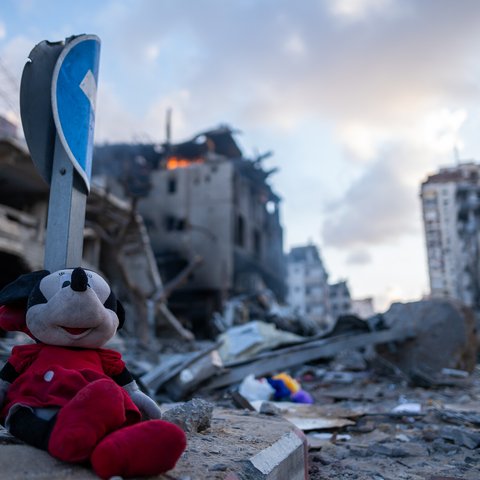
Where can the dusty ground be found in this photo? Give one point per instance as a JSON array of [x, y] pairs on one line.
[[439, 442], [437, 439]]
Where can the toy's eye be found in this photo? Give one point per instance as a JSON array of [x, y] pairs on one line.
[[65, 284], [61, 273]]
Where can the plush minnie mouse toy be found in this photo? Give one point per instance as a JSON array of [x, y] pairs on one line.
[[67, 395]]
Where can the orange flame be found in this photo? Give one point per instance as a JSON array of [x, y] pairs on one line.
[[176, 162]]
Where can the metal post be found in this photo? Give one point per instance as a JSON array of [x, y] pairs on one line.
[[66, 214]]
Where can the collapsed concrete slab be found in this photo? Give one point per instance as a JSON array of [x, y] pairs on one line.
[[444, 336], [244, 445]]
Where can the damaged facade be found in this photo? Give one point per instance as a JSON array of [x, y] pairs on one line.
[[340, 299], [309, 291], [203, 202], [451, 216]]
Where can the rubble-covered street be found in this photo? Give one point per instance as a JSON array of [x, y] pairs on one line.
[[368, 411], [397, 431]]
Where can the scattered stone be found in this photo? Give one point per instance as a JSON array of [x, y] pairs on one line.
[[351, 360], [333, 453], [269, 408], [461, 436], [408, 408], [460, 418], [395, 450], [339, 377], [218, 467], [192, 416]]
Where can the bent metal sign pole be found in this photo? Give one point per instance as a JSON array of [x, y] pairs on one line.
[[57, 104]]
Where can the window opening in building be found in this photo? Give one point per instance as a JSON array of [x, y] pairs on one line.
[[257, 243], [172, 185], [240, 231]]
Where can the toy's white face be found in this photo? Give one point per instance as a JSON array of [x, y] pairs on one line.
[[72, 312]]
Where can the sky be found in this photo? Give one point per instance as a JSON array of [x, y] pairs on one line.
[[360, 100]]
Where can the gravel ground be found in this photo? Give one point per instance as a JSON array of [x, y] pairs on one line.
[[439, 441]]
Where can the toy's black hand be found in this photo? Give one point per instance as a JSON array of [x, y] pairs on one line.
[[4, 386]]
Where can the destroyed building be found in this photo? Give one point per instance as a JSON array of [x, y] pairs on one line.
[[308, 290], [340, 299], [205, 205], [363, 307], [451, 217]]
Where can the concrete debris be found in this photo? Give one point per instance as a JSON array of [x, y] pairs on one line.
[[444, 336], [351, 360], [408, 408], [245, 341], [452, 372], [287, 357], [460, 418], [461, 436], [192, 375], [263, 306], [193, 416]]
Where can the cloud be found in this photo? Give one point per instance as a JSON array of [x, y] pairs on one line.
[[13, 56], [358, 9], [113, 122], [295, 45], [298, 61], [377, 208], [359, 257]]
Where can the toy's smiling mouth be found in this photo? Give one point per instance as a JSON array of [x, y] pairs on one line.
[[75, 331]]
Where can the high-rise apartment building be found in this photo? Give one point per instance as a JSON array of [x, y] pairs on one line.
[[451, 217]]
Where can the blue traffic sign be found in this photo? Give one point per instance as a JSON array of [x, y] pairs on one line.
[[74, 92]]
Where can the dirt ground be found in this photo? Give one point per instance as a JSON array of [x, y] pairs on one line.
[[438, 438]]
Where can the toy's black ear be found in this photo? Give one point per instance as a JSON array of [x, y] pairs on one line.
[[113, 304], [120, 314], [18, 291]]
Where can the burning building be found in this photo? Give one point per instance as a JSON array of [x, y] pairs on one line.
[[202, 199]]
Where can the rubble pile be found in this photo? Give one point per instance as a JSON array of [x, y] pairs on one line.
[[377, 425], [263, 306], [396, 396]]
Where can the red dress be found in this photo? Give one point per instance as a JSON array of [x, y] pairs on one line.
[[50, 376]]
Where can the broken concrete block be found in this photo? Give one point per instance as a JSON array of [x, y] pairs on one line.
[[399, 450], [461, 436], [193, 416], [349, 360], [190, 377], [444, 336]]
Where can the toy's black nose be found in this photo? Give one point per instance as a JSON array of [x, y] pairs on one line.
[[79, 280]]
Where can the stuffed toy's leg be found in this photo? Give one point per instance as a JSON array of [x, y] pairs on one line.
[[93, 412], [24, 424], [147, 448]]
